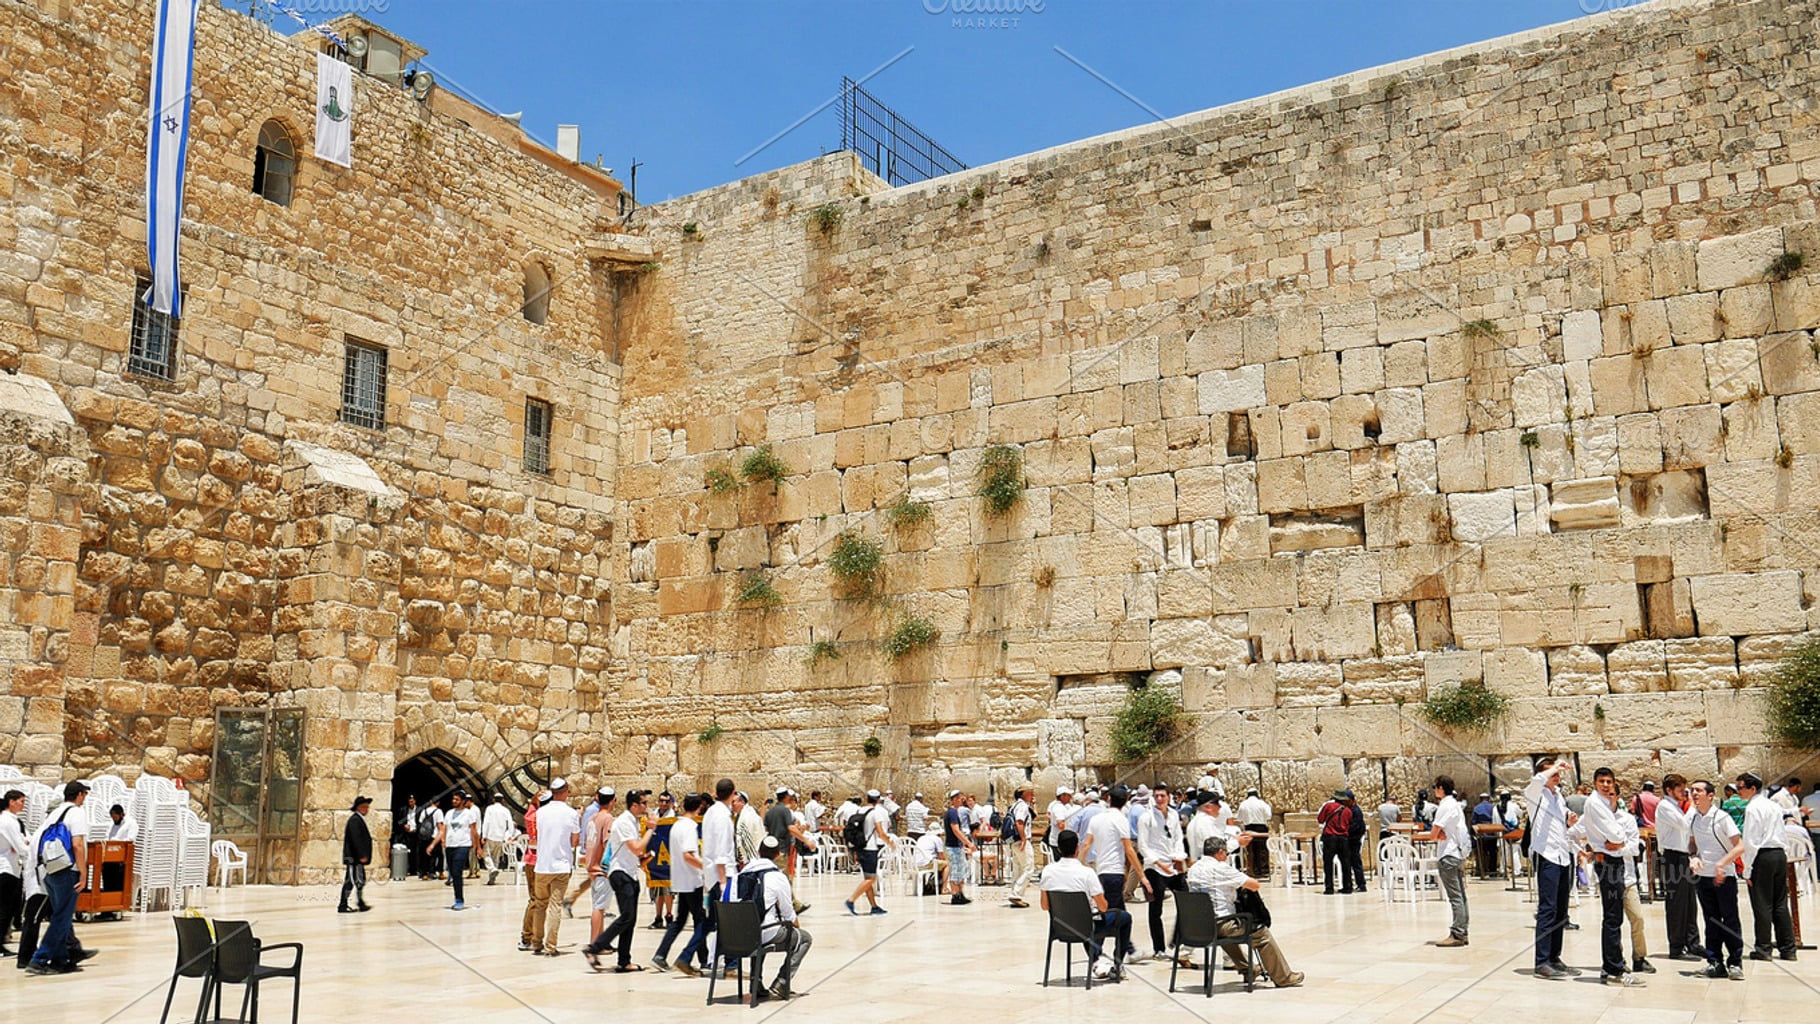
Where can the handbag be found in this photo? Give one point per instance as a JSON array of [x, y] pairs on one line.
[[1251, 903]]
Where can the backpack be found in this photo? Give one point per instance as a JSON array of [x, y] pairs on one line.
[[853, 833], [56, 847], [426, 823], [749, 886]]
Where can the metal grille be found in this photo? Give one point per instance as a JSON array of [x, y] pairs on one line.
[[363, 386], [887, 144], [537, 436], [152, 351]]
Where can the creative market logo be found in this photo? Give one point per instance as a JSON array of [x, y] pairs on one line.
[[988, 14]]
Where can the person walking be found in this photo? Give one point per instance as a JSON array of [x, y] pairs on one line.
[[1766, 870], [63, 867], [1672, 839], [1718, 852], [356, 854], [596, 847], [717, 854], [1453, 845], [558, 832], [686, 866], [457, 834], [496, 831], [628, 842], [1335, 819], [1020, 829], [1554, 872], [12, 865], [875, 825]]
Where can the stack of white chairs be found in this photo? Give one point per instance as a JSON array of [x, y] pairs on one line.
[[104, 791], [156, 803], [192, 857], [38, 800], [1400, 870]]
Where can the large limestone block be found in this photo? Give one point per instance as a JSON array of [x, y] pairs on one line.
[[1175, 643], [1584, 504], [1737, 259], [1517, 671], [1735, 716], [1482, 517], [1362, 730], [1232, 390], [1637, 667], [1701, 663], [1345, 629], [1388, 680], [1788, 364], [1655, 720], [1307, 684], [1575, 670], [1740, 603], [1582, 337], [1539, 396], [1759, 657]]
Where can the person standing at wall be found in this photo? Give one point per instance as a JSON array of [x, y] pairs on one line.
[[12, 865], [558, 833], [1254, 818], [1554, 854], [1718, 851], [1159, 843], [1606, 838], [1336, 823], [1766, 869], [1672, 839], [1060, 810], [356, 854], [1452, 843]]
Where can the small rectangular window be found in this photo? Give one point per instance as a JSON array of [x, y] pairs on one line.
[[152, 350], [363, 386], [537, 436]]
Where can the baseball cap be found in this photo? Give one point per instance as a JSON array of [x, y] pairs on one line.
[[1063, 788]]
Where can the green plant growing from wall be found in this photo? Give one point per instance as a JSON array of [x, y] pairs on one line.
[[720, 481], [1150, 720], [1480, 329], [1468, 707], [763, 464], [1001, 478], [827, 217], [872, 746], [858, 565], [691, 228], [1792, 698], [755, 589], [710, 733], [822, 651], [1785, 266], [912, 633], [650, 267], [905, 514], [1530, 440]]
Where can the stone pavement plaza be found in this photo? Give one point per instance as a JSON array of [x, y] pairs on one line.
[[1365, 961]]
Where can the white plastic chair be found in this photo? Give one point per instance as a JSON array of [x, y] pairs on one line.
[[228, 859], [1285, 859]]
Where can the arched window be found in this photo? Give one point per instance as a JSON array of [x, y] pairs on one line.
[[537, 293], [274, 163]]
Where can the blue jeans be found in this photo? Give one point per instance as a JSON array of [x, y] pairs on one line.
[[1116, 923], [456, 857], [60, 932], [1554, 886]]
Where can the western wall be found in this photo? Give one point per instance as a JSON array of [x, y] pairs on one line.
[[1472, 368]]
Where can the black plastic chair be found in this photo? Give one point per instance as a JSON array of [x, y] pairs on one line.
[[195, 959], [1198, 927], [239, 960], [737, 936], [1070, 922]]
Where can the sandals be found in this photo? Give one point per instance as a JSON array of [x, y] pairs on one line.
[[628, 969]]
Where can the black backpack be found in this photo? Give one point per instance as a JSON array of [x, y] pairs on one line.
[[749, 886], [426, 823], [853, 833]]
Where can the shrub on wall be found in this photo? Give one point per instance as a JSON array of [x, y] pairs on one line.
[[1794, 697], [858, 564], [755, 589], [911, 634], [1001, 478], [1467, 707], [1151, 718], [763, 464]]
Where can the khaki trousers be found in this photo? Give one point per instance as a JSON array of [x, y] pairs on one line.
[[1023, 867], [1633, 913], [543, 912], [1274, 963]]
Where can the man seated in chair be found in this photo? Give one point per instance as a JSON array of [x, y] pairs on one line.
[[1068, 874], [1214, 874], [929, 852], [779, 930]]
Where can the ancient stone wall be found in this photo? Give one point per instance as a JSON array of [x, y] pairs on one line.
[[1469, 368], [410, 587]]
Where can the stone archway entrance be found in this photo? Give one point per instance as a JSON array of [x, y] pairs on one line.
[[430, 777]]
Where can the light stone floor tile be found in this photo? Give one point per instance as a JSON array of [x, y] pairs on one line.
[[1366, 961]]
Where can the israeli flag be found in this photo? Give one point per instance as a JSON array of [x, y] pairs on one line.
[[173, 56]]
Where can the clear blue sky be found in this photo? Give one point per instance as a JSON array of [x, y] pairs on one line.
[[688, 87]]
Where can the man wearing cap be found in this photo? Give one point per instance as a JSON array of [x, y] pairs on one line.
[[58, 951], [1061, 809], [878, 835], [458, 833], [1766, 870], [357, 852], [1335, 818], [779, 930], [957, 836], [558, 833], [1020, 829], [496, 831], [627, 842]]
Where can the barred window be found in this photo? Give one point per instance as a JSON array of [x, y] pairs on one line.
[[152, 350], [537, 436], [363, 386]]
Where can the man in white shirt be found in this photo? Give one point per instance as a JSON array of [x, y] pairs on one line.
[[496, 830], [1209, 820], [779, 930], [628, 841], [57, 951], [1718, 851], [1554, 854], [877, 827], [1453, 842], [1766, 868], [1606, 838], [1061, 809], [456, 834], [124, 829], [1113, 851], [1672, 838], [717, 874], [813, 810], [1810, 808], [1210, 783], [1254, 818], [1159, 847], [844, 811], [558, 832], [686, 866], [1020, 826], [891, 806], [1214, 874], [929, 850], [1388, 813], [12, 863], [1067, 874], [916, 818]]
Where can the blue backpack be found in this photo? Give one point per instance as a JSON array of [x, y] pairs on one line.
[[56, 847]]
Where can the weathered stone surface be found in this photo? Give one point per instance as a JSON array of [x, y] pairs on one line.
[[1744, 603]]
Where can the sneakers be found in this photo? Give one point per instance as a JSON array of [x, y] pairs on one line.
[[1716, 970], [1735, 972], [1642, 966], [688, 970], [960, 900], [527, 947], [1547, 973], [492, 876], [1101, 971], [364, 907], [345, 909], [1627, 979], [458, 905], [1291, 981], [878, 911], [568, 908], [1452, 941], [1572, 972], [659, 964], [851, 909]]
